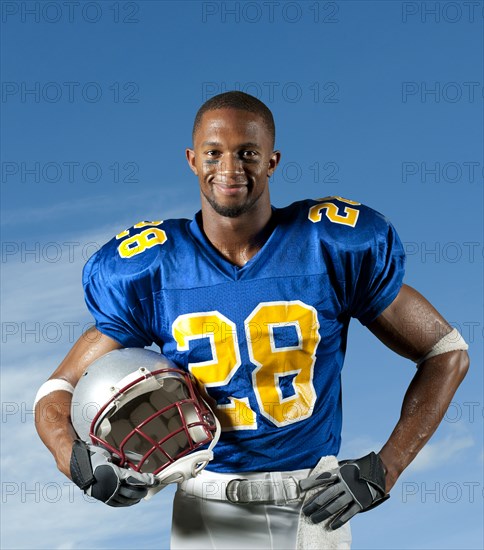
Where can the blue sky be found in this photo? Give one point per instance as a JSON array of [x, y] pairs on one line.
[[380, 102]]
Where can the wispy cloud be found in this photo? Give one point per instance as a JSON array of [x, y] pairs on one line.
[[43, 313], [361, 445], [166, 202], [35, 491], [443, 451]]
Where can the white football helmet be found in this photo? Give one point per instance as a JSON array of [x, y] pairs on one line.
[[148, 413]]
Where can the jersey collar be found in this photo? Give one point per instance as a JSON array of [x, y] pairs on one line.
[[222, 264]]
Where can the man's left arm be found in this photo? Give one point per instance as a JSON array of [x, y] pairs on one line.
[[411, 327]]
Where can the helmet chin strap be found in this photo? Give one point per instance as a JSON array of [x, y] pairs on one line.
[[186, 467]]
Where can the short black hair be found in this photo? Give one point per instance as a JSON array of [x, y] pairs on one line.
[[242, 102]]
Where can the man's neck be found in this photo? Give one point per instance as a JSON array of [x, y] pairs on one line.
[[238, 239]]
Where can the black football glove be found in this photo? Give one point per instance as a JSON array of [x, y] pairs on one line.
[[93, 471], [355, 486]]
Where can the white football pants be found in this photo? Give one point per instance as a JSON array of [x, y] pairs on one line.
[[201, 523]]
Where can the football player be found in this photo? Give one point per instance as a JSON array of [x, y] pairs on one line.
[[255, 302]]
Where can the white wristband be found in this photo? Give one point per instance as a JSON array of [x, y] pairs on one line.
[[56, 384], [450, 342]]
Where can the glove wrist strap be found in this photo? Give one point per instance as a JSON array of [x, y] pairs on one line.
[[373, 471], [80, 466]]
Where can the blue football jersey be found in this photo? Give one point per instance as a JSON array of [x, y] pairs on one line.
[[266, 341]]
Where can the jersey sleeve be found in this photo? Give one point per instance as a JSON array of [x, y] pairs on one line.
[[113, 301], [377, 272]]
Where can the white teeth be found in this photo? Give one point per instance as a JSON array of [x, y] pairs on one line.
[[225, 172], [230, 178], [225, 184]]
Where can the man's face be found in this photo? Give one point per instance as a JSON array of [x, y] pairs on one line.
[[233, 158]]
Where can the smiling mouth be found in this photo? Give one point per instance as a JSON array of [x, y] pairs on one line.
[[229, 189], [225, 183]]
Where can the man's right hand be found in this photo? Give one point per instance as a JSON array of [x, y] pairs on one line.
[[92, 471]]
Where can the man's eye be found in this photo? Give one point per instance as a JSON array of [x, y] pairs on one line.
[[249, 154], [211, 153]]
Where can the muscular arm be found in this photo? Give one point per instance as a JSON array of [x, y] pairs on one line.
[[52, 413], [410, 326]]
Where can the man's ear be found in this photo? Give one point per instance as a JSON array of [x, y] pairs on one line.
[[273, 162], [190, 154]]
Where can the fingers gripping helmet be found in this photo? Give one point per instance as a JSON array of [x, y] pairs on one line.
[[146, 412]]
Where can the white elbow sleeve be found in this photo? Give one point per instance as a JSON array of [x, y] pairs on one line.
[[450, 342], [50, 386]]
